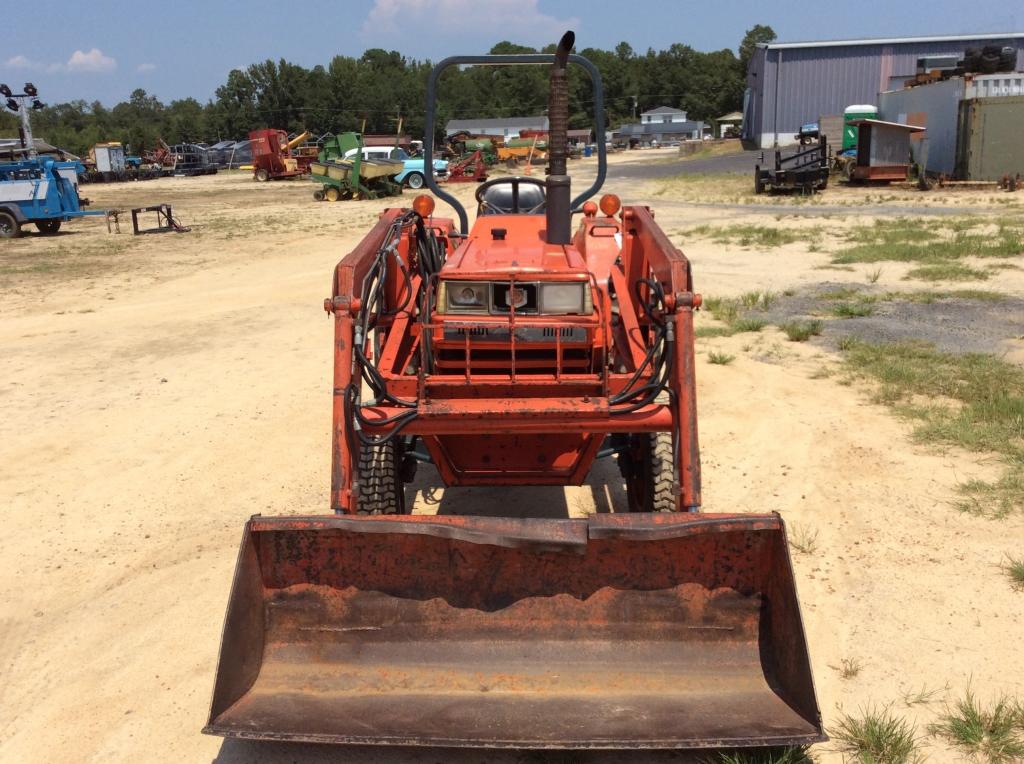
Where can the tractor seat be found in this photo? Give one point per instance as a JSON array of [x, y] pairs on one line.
[[511, 196]]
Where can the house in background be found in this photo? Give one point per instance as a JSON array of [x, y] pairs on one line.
[[663, 115], [659, 126]]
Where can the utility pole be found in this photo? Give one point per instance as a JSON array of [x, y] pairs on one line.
[[634, 107], [17, 103]]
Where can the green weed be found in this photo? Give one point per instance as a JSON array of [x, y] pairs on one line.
[[801, 331], [877, 736]]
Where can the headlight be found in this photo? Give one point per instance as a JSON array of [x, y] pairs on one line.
[[565, 298], [459, 296]]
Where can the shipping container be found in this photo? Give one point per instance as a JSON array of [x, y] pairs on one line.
[[990, 144], [995, 85]]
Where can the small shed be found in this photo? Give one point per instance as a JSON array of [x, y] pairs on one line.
[[883, 150], [723, 123]]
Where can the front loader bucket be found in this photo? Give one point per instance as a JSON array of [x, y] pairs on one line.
[[621, 631]]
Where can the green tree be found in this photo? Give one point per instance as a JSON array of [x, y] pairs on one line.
[[757, 34]]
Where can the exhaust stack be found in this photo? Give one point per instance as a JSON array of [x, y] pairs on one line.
[[559, 214]]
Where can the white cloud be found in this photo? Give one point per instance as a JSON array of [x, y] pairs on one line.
[[92, 61], [519, 21], [21, 62], [143, 68]]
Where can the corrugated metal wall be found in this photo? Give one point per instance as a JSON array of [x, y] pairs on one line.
[[934, 107], [825, 80]]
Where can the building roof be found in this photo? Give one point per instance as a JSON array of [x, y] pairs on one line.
[[513, 123], [890, 40], [663, 110], [883, 123], [732, 116]]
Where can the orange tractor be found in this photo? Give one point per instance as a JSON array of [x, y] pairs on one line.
[[516, 352]]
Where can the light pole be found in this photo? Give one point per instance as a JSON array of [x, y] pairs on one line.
[[16, 102]]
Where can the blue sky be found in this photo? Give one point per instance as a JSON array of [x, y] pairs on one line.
[[104, 49]]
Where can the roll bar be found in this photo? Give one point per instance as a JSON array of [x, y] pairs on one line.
[[511, 60]]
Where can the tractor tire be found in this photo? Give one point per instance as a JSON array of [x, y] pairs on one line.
[[262, 176], [10, 228], [414, 180], [381, 491], [332, 194], [758, 181], [649, 472], [48, 227], [318, 195]]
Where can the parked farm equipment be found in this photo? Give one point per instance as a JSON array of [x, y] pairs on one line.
[[343, 173], [274, 157], [41, 190], [806, 170], [468, 169], [516, 352]]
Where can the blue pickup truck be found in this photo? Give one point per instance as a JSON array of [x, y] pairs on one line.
[[39, 190], [412, 174]]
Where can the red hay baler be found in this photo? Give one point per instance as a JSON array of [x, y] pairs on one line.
[[516, 352]]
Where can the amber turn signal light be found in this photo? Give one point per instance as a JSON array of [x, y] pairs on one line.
[[610, 204], [423, 205]]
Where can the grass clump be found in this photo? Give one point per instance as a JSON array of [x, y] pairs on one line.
[[1014, 567], [722, 309], [993, 734], [915, 240], [789, 755], [877, 736], [922, 696], [705, 332], [729, 312], [754, 235], [849, 668], [801, 331], [929, 296], [720, 359], [803, 538], [759, 300], [947, 272], [974, 401], [748, 324], [841, 293], [852, 310]]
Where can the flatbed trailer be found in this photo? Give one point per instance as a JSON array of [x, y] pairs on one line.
[[806, 171]]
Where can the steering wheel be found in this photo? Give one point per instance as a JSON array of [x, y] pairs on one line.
[[515, 181]]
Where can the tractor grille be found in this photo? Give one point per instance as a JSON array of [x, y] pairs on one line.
[[501, 350]]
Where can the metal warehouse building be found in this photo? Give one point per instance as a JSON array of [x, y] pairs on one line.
[[792, 83]]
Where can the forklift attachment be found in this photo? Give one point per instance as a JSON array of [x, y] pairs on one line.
[[618, 631]]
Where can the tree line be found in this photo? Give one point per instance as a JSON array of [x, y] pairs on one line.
[[380, 87]]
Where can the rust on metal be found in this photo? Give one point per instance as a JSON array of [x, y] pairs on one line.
[[620, 631]]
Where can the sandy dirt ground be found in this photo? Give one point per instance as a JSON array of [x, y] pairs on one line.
[[157, 391]]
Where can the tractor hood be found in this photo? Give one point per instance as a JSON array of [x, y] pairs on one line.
[[522, 250]]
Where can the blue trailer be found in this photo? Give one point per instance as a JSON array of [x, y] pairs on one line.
[[42, 191], [36, 189]]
